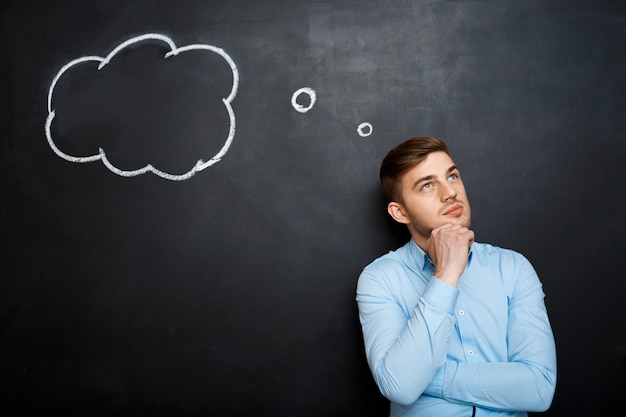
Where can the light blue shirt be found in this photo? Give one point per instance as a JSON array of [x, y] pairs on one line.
[[435, 350]]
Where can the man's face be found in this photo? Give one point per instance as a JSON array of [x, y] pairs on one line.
[[432, 195]]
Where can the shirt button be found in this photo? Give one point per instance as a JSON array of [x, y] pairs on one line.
[[470, 352], [461, 312]]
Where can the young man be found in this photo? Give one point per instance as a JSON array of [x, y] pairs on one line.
[[452, 327]]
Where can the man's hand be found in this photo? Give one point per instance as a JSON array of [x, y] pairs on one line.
[[448, 248]]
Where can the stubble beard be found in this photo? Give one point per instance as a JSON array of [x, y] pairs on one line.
[[424, 230]]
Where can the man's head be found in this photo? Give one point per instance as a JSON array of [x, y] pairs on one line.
[[423, 187]]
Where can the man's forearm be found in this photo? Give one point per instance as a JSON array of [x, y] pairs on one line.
[[497, 385]]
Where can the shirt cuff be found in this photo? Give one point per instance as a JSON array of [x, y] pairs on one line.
[[440, 295]]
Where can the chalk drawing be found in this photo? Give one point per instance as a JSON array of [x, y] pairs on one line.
[[174, 50], [312, 97], [364, 129]]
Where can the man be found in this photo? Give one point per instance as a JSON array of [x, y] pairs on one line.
[[452, 327]]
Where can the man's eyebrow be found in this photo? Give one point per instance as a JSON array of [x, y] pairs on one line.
[[430, 177], [423, 179]]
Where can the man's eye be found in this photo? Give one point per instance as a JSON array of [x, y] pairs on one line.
[[453, 177], [427, 186]]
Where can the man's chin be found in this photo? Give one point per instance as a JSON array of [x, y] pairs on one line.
[[461, 221]]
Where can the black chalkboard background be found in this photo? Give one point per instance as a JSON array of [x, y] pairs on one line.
[[231, 292]]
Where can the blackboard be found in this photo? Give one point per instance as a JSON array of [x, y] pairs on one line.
[[182, 235]]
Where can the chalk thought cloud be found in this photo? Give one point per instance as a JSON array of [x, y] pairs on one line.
[[102, 62]]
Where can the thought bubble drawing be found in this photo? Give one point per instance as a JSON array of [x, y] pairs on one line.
[[364, 129], [201, 164], [304, 90]]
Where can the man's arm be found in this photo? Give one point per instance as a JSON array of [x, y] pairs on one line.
[[527, 381], [404, 349]]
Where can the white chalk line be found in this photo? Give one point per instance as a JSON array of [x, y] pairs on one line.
[[312, 97], [101, 155]]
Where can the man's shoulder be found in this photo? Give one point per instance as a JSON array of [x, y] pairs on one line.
[[492, 254], [491, 249], [396, 267], [393, 257], [393, 270]]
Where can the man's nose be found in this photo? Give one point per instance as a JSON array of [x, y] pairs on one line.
[[447, 191]]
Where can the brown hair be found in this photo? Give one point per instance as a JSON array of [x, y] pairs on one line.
[[401, 159]]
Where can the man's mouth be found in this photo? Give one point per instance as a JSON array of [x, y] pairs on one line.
[[454, 210]]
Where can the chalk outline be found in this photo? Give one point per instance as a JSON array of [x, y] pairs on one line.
[[174, 50], [361, 127], [306, 90]]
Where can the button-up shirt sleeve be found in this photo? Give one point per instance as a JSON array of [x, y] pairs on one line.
[[436, 349], [527, 380], [404, 347]]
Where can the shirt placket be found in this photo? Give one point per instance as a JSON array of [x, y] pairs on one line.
[[466, 328]]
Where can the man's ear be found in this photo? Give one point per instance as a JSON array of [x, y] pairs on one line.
[[396, 211]]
